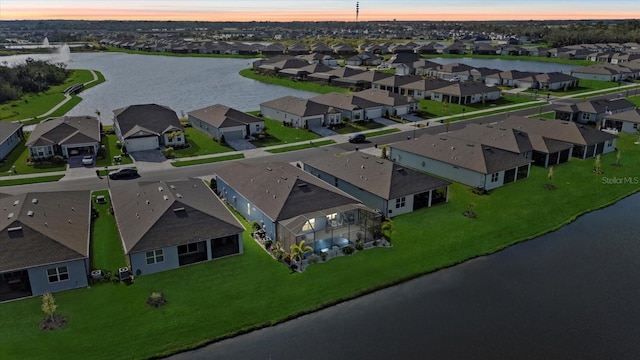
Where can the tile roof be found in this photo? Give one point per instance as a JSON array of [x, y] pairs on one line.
[[152, 215]]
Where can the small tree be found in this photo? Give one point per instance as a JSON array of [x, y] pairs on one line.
[[549, 185], [597, 165], [388, 227], [297, 250], [618, 157], [49, 306], [384, 153]]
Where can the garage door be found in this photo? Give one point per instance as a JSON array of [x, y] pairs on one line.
[[315, 122], [401, 110], [374, 113], [140, 144], [233, 135]]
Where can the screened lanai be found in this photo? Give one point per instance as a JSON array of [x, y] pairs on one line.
[[338, 226]]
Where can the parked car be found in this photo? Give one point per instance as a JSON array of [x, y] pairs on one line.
[[123, 173], [87, 160], [357, 138]]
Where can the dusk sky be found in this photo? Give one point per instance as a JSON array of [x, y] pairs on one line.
[[319, 10]]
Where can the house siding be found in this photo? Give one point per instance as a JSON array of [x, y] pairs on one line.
[[138, 261], [10, 143], [77, 270]]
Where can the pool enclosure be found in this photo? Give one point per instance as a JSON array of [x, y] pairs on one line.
[[339, 226]]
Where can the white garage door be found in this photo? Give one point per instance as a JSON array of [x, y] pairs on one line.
[[401, 110], [374, 113], [139, 144], [233, 135]]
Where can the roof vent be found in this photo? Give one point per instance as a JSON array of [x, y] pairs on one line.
[[10, 216], [267, 191], [179, 195], [160, 188], [380, 162], [165, 197], [69, 221], [138, 195], [178, 209], [362, 166], [302, 184], [283, 177], [34, 200], [453, 148], [148, 202], [15, 203], [400, 169], [173, 187], [30, 213], [16, 228], [274, 196], [470, 145], [73, 209], [269, 169]]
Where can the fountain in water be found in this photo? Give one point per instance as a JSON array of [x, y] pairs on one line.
[[45, 43], [62, 54]]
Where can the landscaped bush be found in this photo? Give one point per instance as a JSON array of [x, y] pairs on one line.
[[313, 258], [156, 299], [359, 245], [267, 244], [348, 250]]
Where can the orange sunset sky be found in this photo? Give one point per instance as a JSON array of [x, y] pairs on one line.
[[303, 10]]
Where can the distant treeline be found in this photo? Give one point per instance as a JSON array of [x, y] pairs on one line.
[[31, 77]]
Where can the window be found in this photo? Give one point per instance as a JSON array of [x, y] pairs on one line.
[[155, 256], [60, 273], [188, 249], [400, 202], [308, 226], [494, 177], [609, 143], [586, 116], [635, 126]]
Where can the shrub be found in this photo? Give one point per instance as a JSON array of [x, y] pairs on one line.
[[323, 256], [156, 299], [255, 226], [58, 160], [359, 245], [168, 152], [279, 254], [348, 250], [267, 244], [313, 258]]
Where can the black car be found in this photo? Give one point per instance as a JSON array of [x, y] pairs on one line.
[[357, 138], [123, 173]]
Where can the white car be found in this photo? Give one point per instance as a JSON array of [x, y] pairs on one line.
[[87, 160]]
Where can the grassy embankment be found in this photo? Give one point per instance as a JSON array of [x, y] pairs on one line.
[[229, 296]]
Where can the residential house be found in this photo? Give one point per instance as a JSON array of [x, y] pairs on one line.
[[512, 78], [148, 127], [593, 111], [602, 72], [457, 47], [395, 83], [465, 93], [363, 80], [626, 121], [273, 49], [65, 136], [300, 113], [452, 71], [11, 135], [303, 72], [392, 103], [423, 88], [220, 120], [44, 242], [379, 183], [166, 225], [291, 205], [555, 81], [351, 107], [467, 162]]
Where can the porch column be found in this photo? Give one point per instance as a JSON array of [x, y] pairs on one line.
[[209, 244], [447, 192], [430, 197]]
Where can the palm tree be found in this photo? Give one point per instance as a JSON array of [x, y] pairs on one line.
[[298, 250], [388, 228]]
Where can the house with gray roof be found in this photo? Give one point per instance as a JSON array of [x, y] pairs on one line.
[[65, 136], [379, 183], [353, 107], [626, 121], [603, 72], [465, 93], [44, 242], [593, 111], [466, 162], [11, 135], [363, 80], [395, 83], [300, 113], [148, 127], [392, 103], [220, 120], [291, 205], [168, 224]]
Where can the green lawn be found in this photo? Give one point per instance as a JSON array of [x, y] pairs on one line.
[[514, 57], [106, 248], [584, 86], [301, 146], [278, 134], [207, 160], [18, 158], [201, 144], [382, 132], [300, 85], [33, 105], [351, 127], [236, 294], [434, 109], [33, 180], [110, 143]]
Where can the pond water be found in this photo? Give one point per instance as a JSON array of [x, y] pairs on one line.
[[570, 294]]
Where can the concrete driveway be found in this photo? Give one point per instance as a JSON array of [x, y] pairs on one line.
[[153, 156], [240, 144], [76, 162], [322, 131]]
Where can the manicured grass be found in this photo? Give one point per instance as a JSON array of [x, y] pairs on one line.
[[301, 146], [514, 57], [382, 132], [544, 115], [434, 109], [300, 85], [351, 127], [278, 134], [100, 80], [18, 158], [584, 86], [201, 144], [33, 105], [110, 143], [106, 249], [207, 160], [33, 180], [216, 299]]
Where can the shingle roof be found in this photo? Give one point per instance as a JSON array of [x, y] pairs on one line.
[[565, 131], [298, 106], [47, 228], [467, 89], [462, 153], [7, 129], [222, 116], [66, 130], [344, 101], [168, 213], [511, 140], [629, 116], [150, 118], [281, 190], [378, 97], [375, 175]]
